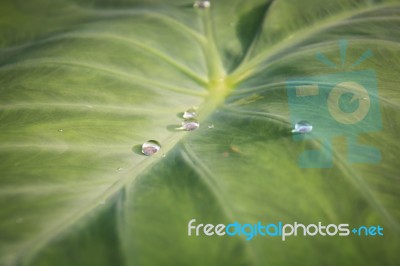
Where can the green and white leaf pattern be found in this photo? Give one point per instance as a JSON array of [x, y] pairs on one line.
[[84, 83]]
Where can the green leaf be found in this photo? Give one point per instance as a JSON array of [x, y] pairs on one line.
[[84, 83]]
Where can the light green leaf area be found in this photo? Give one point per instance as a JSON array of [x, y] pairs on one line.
[[84, 83]]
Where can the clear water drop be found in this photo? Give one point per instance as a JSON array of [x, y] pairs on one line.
[[203, 4], [190, 124], [118, 169], [302, 127], [19, 220], [190, 113], [60, 130], [150, 147], [211, 126]]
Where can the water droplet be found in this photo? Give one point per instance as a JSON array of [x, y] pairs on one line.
[[60, 130], [190, 113], [302, 127], [150, 147], [203, 4], [19, 220], [211, 126], [102, 202], [190, 124], [164, 155], [231, 24], [118, 169]]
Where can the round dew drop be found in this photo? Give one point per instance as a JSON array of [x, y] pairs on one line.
[[150, 147], [302, 127], [190, 124], [203, 4], [190, 113]]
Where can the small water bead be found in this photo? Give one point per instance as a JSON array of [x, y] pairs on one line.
[[190, 124], [60, 130], [302, 127], [150, 147], [211, 126], [203, 4], [190, 113]]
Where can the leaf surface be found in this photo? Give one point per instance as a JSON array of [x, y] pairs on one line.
[[84, 83]]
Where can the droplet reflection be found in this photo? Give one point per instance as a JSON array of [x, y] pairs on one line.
[[190, 124], [203, 4], [190, 113], [150, 147], [302, 127]]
